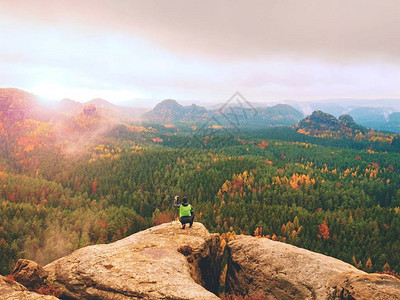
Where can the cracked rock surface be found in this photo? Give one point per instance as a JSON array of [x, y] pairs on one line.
[[259, 266], [12, 290], [145, 265]]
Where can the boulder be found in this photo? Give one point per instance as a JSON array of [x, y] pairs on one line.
[[355, 285], [162, 262], [12, 290], [29, 273], [259, 266]]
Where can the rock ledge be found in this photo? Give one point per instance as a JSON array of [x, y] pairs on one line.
[[145, 265], [12, 290], [282, 271]]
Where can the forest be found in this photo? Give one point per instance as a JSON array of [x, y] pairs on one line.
[[339, 197]]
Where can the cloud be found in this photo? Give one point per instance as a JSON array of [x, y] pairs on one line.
[[205, 50], [225, 29]]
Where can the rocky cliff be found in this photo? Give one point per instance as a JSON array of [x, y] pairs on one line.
[[282, 271], [162, 262], [166, 262]]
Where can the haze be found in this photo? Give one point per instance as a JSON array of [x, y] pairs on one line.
[[201, 50]]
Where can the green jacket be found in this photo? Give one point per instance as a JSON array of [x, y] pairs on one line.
[[185, 210]]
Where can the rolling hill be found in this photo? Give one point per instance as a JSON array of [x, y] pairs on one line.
[[170, 111]]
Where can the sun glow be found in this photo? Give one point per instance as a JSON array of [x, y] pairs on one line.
[[49, 90], [55, 91]]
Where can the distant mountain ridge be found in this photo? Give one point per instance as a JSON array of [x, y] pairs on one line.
[[279, 114], [105, 108], [26, 105], [16, 104], [170, 111], [381, 114]]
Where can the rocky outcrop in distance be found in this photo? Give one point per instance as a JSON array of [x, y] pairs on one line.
[[320, 123], [259, 266]]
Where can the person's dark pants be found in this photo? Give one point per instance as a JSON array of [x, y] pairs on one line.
[[187, 219]]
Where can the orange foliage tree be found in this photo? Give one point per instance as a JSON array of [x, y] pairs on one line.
[[323, 230]]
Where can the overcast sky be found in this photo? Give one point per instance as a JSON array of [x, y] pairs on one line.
[[201, 50]]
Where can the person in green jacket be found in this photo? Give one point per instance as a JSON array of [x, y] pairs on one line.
[[186, 212]]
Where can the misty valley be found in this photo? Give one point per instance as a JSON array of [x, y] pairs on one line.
[[91, 175]]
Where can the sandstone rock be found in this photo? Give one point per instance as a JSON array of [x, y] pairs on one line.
[[145, 265], [351, 285], [12, 290], [282, 271], [89, 110], [29, 273]]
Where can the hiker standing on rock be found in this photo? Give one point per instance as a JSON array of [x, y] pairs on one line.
[[186, 212]]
